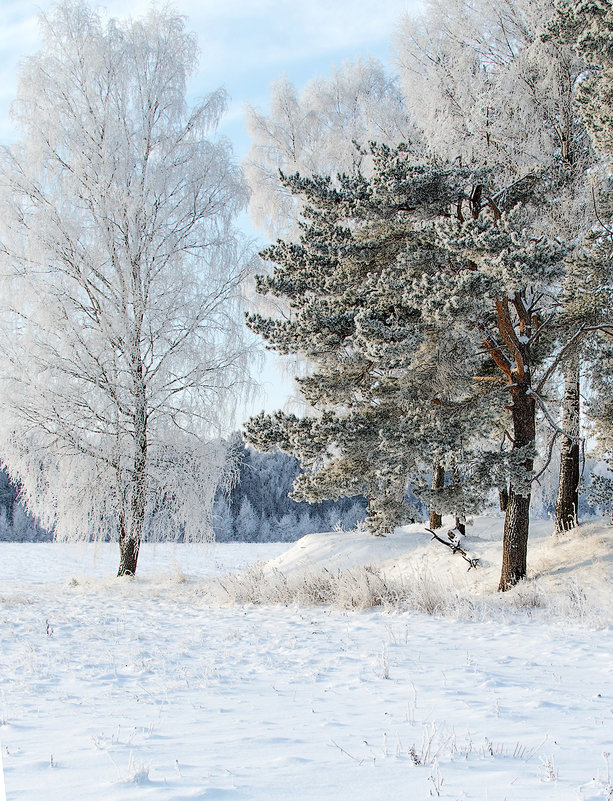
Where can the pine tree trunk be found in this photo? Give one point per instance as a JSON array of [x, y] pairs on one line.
[[459, 519], [438, 482], [568, 488], [517, 520], [503, 498]]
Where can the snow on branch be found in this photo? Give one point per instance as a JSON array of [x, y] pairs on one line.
[[472, 562]]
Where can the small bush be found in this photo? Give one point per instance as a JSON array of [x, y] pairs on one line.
[[527, 596]]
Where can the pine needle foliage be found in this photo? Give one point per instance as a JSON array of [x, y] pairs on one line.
[[418, 295]]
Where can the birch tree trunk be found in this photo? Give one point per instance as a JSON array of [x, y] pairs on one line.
[[130, 547], [128, 553], [568, 487], [131, 534]]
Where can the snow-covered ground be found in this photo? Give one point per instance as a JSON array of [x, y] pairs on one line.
[[151, 689]]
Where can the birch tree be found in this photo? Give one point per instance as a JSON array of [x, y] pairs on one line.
[[122, 352], [588, 26], [314, 132]]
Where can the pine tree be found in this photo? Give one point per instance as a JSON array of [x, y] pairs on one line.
[[344, 290], [313, 131], [419, 295]]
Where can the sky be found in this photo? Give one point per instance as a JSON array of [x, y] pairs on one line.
[[245, 46]]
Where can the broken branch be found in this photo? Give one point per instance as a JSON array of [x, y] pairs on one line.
[[456, 549]]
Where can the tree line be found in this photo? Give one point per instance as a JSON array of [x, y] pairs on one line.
[[256, 509]]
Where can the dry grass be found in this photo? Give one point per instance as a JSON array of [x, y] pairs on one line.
[[361, 588]]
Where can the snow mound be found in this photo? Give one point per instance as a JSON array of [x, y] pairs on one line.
[[402, 550], [569, 575], [343, 550]]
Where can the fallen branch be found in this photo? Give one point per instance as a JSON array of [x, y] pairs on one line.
[[456, 549]]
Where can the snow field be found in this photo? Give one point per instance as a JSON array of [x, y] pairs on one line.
[[143, 689]]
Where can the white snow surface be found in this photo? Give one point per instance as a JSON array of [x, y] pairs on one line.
[[145, 688]]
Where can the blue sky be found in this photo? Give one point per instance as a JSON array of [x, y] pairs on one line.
[[245, 46]]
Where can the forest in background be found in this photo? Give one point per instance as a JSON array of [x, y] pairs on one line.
[[256, 509]]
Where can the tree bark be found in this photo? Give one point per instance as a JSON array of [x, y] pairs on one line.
[[503, 498], [128, 554], [517, 520], [568, 488], [131, 536], [460, 520], [139, 418], [438, 482]]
